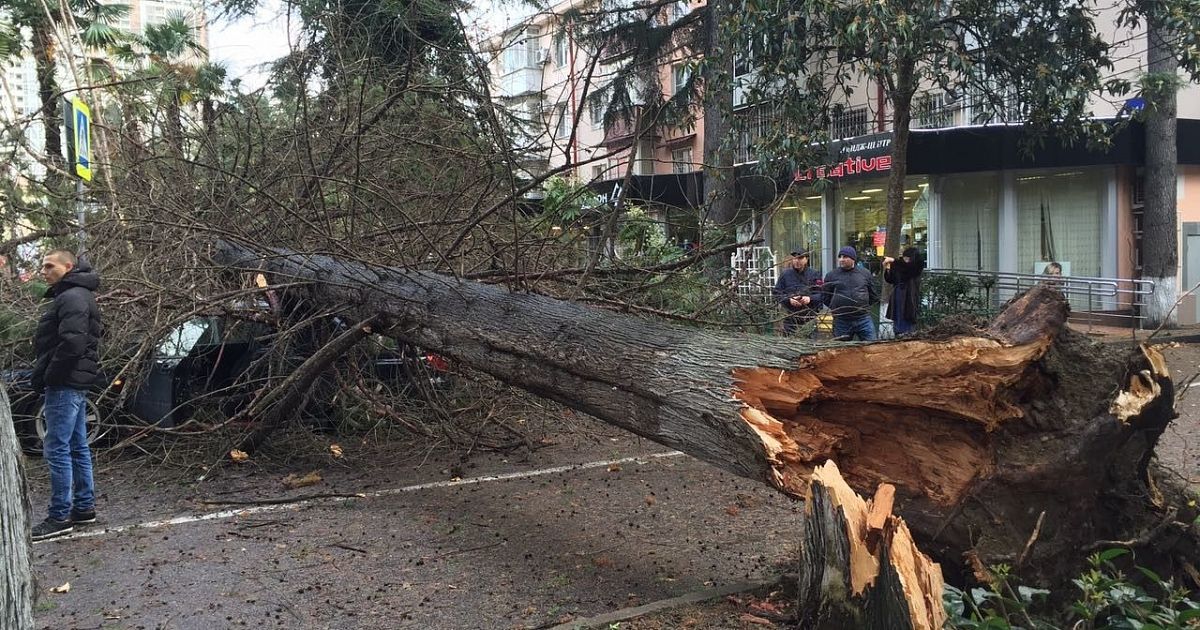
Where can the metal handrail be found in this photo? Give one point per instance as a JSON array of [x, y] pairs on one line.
[[1108, 296]]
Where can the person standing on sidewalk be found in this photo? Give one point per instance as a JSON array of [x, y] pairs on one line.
[[905, 276], [849, 292], [798, 291], [68, 361]]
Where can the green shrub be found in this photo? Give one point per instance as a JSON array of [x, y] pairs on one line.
[[1107, 599]]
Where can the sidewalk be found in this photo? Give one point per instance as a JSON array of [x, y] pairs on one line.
[[1183, 334]]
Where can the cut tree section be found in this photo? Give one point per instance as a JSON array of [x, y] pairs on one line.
[[859, 566]]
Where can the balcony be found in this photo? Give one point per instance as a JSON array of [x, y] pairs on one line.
[[622, 130], [521, 82]]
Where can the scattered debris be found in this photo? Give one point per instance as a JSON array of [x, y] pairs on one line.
[[295, 481]]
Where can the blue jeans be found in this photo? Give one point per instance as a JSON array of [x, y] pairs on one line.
[[848, 327], [66, 451]]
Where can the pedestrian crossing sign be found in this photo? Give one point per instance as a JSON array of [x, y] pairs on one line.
[[81, 125]]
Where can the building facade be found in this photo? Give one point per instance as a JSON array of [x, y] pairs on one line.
[[19, 99], [975, 201]]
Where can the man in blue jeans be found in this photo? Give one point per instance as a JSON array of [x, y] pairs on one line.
[[68, 361], [849, 292]]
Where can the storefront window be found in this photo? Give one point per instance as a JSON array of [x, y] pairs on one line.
[[970, 222], [797, 225], [862, 217], [1059, 219]]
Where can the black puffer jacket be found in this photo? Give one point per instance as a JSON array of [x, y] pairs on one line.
[[68, 333]]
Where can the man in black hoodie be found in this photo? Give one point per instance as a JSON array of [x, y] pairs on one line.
[[68, 361]]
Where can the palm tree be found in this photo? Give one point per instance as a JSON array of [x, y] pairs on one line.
[[93, 23], [209, 84], [170, 50]]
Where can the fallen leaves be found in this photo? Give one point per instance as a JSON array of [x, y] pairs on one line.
[[294, 481], [239, 457], [64, 588], [336, 451]]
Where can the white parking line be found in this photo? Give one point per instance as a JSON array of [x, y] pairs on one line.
[[258, 509]]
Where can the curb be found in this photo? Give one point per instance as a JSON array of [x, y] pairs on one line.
[[695, 597]]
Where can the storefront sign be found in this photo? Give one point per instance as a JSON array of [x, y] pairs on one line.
[[862, 156]]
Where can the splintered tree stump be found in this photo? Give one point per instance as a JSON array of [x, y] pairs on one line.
[[983, 436], [859, 566]]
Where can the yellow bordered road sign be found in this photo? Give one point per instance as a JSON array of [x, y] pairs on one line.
[[81, 118]]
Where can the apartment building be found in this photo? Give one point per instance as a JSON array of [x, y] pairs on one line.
[[545, 78], [974, 200], [19, 99]]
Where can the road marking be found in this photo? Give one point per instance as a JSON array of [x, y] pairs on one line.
[[449, 483]]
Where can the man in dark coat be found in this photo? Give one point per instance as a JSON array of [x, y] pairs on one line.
[[798, 291], [850, 292], [68, 361]]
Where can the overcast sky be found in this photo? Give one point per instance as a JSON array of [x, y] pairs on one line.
[[244, 45]]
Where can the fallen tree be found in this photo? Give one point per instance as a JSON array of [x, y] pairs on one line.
[[1024, 444]]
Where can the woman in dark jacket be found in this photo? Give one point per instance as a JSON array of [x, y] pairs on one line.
[[905, 277]]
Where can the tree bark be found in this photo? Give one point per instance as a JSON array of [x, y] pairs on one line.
[[859, 566], [16, 578], [904, 87], [1160, 236], [44, 48], [983, 435], [721, 203]]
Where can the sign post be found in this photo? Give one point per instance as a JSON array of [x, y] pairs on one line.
[[79, 155]]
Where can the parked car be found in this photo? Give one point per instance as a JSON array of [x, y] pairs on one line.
[[203, 360]]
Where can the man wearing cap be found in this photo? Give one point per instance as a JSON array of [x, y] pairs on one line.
[[849, 292], [798, 292]]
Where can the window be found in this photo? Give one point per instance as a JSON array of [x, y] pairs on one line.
[[934, 111], [752, 124], [680, 73], [560, 49], [743, 60], [970, 221], [850, 122], [677, 10], [681, 160], [597, 171], [861, 207], [596, 113], [797, 225], [564, 122], [1059, 217]]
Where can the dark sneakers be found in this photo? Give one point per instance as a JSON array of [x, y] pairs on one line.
[[52, 528], [83, 517]]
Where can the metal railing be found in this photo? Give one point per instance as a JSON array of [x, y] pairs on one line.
[[1094, 301]]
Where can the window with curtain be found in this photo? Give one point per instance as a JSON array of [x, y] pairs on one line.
[[970, 222], [1059, 219]]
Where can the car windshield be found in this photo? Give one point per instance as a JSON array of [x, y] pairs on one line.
[[180, 341]]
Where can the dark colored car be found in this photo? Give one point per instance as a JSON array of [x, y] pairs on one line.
[[203, 360]]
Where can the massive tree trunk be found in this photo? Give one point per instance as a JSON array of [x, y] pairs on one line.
[[16, 578], [720, 198], [1160, 236], [983, 435]]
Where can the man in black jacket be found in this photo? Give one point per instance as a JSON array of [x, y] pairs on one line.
[[798, 291], [68, 362], [849, 292]]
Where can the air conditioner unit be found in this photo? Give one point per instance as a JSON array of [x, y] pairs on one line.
[[546, 55]]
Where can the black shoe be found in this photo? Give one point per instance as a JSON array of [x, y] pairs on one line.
[[51, 528], [83, 517]]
